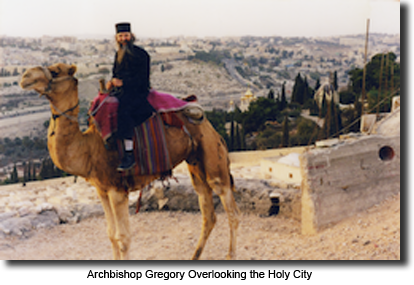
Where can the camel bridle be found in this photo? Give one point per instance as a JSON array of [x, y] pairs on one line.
[[46, 93], [49, 89]]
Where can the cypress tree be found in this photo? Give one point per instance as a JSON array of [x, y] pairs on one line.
[[238, 142], [14, 176], [33, 172], [298, 89], [323, 108], [335, 81], [231, 147], [306, 93], [29, 171], [285, 137], [271, 95], [283, 98], [25, 175], [317, 85], [242, 139]]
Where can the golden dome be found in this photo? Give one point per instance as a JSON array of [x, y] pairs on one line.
[[248, 93]]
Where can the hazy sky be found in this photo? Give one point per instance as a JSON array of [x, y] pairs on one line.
[[163, 18]]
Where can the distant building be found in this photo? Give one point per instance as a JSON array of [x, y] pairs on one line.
[[232, 107], [246, 99], [329, 91]]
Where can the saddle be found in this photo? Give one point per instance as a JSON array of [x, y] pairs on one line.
[[150, 146]]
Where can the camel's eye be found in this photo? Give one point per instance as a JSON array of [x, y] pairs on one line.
[[54, 74]]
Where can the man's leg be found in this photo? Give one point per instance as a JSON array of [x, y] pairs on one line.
[[128, 160], [125, 134]]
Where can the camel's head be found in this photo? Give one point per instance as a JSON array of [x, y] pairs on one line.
[[46, 80]]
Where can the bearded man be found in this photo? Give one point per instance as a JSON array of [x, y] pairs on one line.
[[130, 84]]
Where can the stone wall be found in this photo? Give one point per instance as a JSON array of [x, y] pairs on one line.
[[342, 180]]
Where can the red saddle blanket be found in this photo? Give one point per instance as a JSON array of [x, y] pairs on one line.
[[104, 110], [150, 148]]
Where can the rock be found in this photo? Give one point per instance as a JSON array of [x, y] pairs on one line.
[[74, 220], [71, 192], [88, 211], [16, 226], [367, 242], [8, 215], [25, 210], [59, 200], [45, 219], [44, 207], [64, 214]]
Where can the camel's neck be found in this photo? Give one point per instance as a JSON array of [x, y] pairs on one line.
[[64, 137]]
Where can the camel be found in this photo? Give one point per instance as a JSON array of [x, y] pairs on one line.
[[84, 154]]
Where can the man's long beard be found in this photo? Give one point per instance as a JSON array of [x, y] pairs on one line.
[[122, 50]]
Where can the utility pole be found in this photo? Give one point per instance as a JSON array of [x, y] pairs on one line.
[[365, 71]]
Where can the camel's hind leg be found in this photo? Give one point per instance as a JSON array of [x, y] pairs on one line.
[[216, 168], [224, 191], [205, 185], [205, 200]]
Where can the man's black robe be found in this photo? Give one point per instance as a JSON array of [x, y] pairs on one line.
[[134, 109]]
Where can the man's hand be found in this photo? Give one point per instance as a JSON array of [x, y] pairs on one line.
[[117, 82], [114, 82]]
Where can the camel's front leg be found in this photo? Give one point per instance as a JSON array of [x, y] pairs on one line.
[[119, 205], [110, 220]]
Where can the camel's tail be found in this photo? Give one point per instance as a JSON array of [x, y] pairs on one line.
[[232, 185]]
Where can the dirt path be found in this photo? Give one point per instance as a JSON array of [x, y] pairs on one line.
[[373, 234]]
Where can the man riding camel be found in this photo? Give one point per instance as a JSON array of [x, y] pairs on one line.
[[130, 83]]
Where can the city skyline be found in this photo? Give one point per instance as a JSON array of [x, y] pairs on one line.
[[214, 18]]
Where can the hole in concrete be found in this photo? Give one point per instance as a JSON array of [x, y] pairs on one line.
[[290, 175], [275, 208], [270, 169], [386, 153]]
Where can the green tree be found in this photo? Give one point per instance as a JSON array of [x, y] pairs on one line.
[[373, 69], [285, 136], [25, 174], [33, 176], [238, 145], [271, 95], [335, 81], [259, 112], [307, 131], [298, 90], [283, 102], [317, 84], [333, 123], [14, 176], [306, 91]]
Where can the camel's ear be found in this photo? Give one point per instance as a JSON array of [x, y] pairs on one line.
[[72, 70]]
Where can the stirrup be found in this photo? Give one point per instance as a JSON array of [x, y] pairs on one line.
[[127, 162]]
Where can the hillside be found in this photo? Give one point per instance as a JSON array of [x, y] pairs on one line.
[[211, 83]]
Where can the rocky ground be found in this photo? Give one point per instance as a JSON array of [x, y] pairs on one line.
[[49, 225], [213, 85]]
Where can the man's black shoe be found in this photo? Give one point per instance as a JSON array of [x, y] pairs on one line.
[[127, 162]]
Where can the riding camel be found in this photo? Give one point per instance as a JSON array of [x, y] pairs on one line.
[[84, 154]]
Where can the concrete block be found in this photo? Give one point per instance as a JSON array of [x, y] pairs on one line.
[[282, 168], [341, 181]]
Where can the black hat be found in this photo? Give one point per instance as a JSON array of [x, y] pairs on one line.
[[123, 27]]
